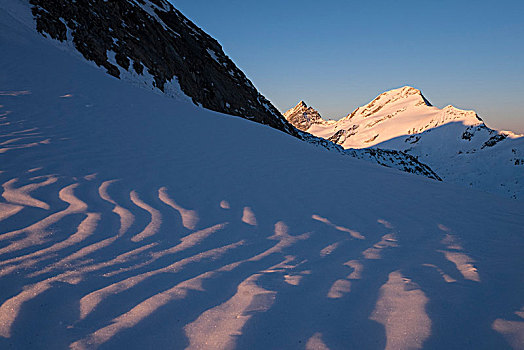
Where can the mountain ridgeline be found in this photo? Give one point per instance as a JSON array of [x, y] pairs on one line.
[[455, 143], [152, 44], [153, 40]]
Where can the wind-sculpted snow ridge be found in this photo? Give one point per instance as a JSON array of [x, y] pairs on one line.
[[152, 44], [403, 126], [222, 287], [126, 232]]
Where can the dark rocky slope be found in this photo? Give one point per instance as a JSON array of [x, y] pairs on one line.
[[152, 37]]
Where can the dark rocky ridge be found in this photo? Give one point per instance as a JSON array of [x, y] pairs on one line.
[[389, 158], [394, 159], [152, 36]]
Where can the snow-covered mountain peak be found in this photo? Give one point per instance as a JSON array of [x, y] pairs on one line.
[[406, 96], [453, 142], [467, 117], [402, 92], [395, 113]]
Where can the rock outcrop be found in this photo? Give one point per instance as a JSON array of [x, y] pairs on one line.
[[151, 37], [302, 117]]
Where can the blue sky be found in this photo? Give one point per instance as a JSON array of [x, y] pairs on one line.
[[337, 55]]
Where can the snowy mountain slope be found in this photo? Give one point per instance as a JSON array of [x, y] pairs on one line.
[[455, 143], [475, 156], [119, 229], [388, 158], [182, 61], [302, 117], [151, 43]]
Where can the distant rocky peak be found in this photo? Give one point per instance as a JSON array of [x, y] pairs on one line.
[[302, 117], [301, 107]]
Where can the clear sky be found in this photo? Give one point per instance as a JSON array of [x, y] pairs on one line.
[[337, 55]]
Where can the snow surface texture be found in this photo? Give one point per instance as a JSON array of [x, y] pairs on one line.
[[456, 144], [121, 229]]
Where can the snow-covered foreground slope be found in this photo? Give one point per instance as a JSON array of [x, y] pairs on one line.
[[120, 229], [456, 144]]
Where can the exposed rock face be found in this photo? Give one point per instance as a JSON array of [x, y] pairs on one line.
[[152, 37], [302, 117], [388, 158], [338, 136], [494, 140], [394, 159]]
